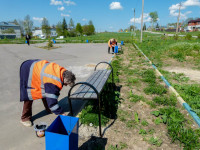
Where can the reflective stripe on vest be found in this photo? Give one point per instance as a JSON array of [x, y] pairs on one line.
[[41, 78], [48, 95], [30, 80], [42, 84], [55, 107]]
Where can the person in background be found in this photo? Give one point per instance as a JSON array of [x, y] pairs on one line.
[[111, 44], [40, 79], [28, 37]]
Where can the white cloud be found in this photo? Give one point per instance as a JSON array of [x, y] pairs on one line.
[[61, 8], [173, 10], [111, 27], [146, 18], [55, 2], [65, 15], [69, 3], [84, 19], [115, 5], [37, 19], [191, 3]]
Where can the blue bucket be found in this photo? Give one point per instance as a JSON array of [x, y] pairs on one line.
[[87, 41], [26, 41], [62, 134], [122, 42], [116, 49]]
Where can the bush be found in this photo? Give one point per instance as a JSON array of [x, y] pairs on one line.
[[176, 37], [198, 36], [50, 43], [188, 37]]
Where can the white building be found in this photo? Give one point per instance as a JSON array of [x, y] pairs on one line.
[[40, 34], [194, 25]]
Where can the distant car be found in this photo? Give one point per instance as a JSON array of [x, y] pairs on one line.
[[42, 37], [60, 37], [84, 35]]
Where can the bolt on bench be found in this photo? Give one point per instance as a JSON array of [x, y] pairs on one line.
[[91, 89]]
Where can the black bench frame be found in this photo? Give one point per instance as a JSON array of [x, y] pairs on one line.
[[95, 90]]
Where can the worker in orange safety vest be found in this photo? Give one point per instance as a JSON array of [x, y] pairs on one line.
[[40, 79], [111, 44]]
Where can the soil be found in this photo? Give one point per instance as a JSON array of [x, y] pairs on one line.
[[119, 134], [192, 74]]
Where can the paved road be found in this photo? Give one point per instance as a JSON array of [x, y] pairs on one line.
[[76, 57]]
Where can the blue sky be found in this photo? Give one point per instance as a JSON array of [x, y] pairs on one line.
[[107, 15]]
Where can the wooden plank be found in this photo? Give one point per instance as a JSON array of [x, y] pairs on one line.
[[102, 83], [83, 86], [97, 82], [82, 93]]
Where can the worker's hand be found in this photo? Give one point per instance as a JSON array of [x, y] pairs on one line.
[[63, 114]]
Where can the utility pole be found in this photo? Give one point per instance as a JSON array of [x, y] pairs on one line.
[[178, 19], [142, 20], [134, 19]]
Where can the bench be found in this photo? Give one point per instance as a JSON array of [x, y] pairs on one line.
[[91, 89]]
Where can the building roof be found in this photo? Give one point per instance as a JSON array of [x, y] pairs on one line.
[[8, 24], [193, 21]]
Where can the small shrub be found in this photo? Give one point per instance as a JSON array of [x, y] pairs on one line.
[[176, 37], [188, 37], [142, 132], [155, 141], [50, 43], [198, 36]]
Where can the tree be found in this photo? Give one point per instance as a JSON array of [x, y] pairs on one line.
[[21, 25], [64, 24], [144, 27], [59, 29], [157, 26], [90, 22], [79, 28], [130, 28], [65, 33], [15, 22], [28, 25], [71, 23], [45, 27], [154, 17]]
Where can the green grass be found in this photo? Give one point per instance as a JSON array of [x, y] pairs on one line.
[[165, 100], [177, 129], [155, 89]]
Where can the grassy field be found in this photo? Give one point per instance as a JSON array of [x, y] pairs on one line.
[[97, 38]]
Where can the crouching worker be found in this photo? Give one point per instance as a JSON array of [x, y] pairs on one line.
[[40, 79], [111, 44]]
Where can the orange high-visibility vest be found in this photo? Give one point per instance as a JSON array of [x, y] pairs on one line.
[[42, 72], [111, 43]]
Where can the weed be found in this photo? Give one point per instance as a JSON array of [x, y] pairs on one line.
[[157, 121], [155, 141], [135, 98], [151, 131], [164, 100], [149, 76], [137, 119], [155, 89], [144, 123], [142, 132], [130, 124]]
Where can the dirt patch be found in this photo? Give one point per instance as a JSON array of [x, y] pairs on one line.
[[192, 74]]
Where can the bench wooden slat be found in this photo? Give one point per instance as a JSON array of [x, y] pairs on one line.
[[83, 86], [102, 83], [97, 82], [86, 88]]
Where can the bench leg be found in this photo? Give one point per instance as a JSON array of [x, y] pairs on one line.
[[99, 100], [70, 106]]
